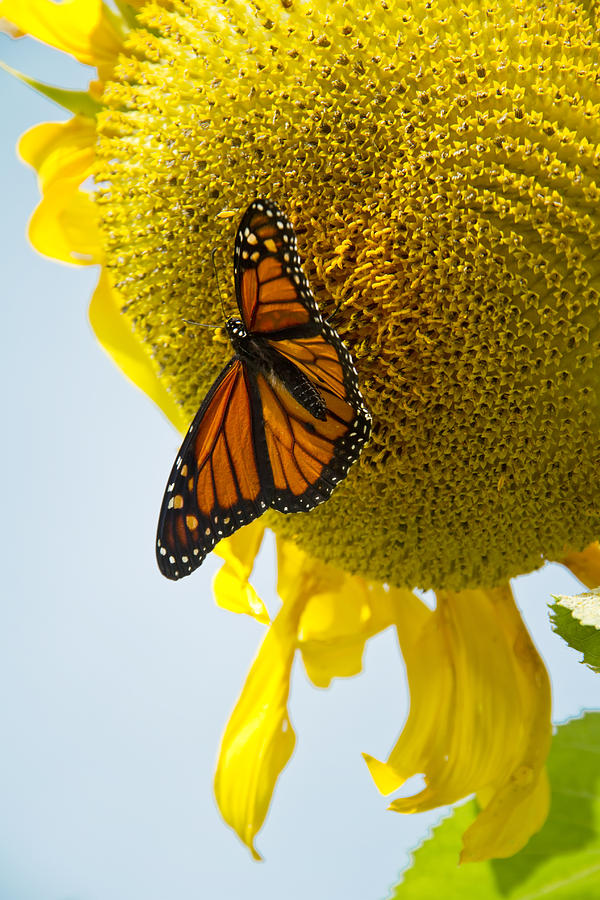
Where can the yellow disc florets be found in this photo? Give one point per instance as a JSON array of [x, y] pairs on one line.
[[441, 165]]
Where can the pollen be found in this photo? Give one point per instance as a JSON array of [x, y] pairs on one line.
[[442, 171]]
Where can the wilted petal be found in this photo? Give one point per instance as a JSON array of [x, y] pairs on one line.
[[64, 226], [86, 29], [114, 332], [510, 817], [60, 151], [479, 717], [259, 738], [585, 565], [341, 611], [230, 585]]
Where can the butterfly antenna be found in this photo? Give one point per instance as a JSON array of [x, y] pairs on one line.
[[338, 305], [199, 324], [212, 257]]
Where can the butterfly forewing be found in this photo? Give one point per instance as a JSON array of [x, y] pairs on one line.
[[272, 291]]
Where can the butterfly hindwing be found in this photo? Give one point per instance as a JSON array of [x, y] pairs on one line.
[[309, 456], [219, 481]]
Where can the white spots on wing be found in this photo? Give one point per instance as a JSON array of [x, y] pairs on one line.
[[252, 239], [163, 552]]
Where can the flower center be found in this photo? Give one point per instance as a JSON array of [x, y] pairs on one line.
[[441, 170]]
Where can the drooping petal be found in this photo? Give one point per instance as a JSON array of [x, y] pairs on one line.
[[86, 29], [230, 585], [64, 226], [341, 611], [60, 150], [65, 223], [509, 817], [585, 565], [114, 332], [479, 718], [259, 738]]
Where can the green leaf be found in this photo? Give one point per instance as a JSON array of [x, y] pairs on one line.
[[560, 862], [78, 102], [577, 620]]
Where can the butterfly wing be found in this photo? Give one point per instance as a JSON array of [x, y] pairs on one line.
[[308, 454], [221, 478], [271, 288]]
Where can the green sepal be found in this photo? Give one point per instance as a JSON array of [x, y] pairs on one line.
[[128, 13], [80, 103]]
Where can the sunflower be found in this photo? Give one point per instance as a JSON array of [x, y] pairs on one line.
[[440, 166]]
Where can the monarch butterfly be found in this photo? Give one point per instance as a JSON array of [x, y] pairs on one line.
[[284, 420]]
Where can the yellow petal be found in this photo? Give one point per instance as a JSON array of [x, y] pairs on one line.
[[230, 585], [65, 225], [84, 28], [115, 334], [479, 717], [60, 150], [585, 565], [341, 611], [510, 819], [259, 738]]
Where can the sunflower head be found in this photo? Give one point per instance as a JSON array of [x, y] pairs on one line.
[[440, 167]]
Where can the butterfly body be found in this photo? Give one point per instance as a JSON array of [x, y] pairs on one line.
[[284, 420], [260, 355]]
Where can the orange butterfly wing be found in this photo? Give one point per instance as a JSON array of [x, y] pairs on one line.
[[272, 291], [215, 486], [309, 456]]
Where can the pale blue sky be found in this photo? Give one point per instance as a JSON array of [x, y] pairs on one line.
[[116, 683]]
